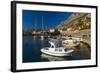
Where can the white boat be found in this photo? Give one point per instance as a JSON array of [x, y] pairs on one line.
[[56, 50], [72, 38], [70, 42]]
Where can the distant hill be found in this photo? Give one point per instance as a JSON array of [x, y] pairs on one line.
[[77, 21]]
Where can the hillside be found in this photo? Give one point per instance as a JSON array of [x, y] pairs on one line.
[[77, 21]]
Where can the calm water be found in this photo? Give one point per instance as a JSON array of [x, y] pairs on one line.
[[32, 53]]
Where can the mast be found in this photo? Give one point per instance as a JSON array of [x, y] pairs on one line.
[[35, 22], [42, 34], [42, 23]]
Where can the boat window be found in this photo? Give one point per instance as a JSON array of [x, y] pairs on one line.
[[65, 49], [52, 46], [47, 49], [60, 50], [56, 50]]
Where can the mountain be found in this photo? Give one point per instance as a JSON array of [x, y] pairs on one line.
[[77, 21]]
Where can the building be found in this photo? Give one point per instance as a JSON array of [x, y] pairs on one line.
[[51, 30]]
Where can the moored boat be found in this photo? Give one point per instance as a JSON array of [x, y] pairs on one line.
[[56, 50], [71, 42]]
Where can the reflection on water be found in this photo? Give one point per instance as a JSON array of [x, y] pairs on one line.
[[33, 44], [51, 58]]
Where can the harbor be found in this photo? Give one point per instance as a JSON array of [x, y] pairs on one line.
[[33, 45], [82, 51], [56, 39]]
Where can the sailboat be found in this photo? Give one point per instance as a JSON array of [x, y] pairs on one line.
[[35, 29], [42, 36]]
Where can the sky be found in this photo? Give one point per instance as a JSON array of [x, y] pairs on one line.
[[43, 19]]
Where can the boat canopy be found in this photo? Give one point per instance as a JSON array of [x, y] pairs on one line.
[[57, 42]]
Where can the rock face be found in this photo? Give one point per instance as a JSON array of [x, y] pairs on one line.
[[77, 25], [77, 21]]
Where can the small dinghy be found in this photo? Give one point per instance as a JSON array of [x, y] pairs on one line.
[[56, 49]]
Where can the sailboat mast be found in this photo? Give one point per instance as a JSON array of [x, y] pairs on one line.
[[35, 24], [42, 37], [42, 24]]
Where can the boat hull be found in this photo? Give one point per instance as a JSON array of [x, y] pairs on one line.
[[58, 54]]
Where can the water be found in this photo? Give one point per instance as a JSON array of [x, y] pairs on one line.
[[33, 44]]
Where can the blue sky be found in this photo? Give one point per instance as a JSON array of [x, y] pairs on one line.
[[51, 19]]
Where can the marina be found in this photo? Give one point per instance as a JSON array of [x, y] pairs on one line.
[[33, 45], [56, 39]]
